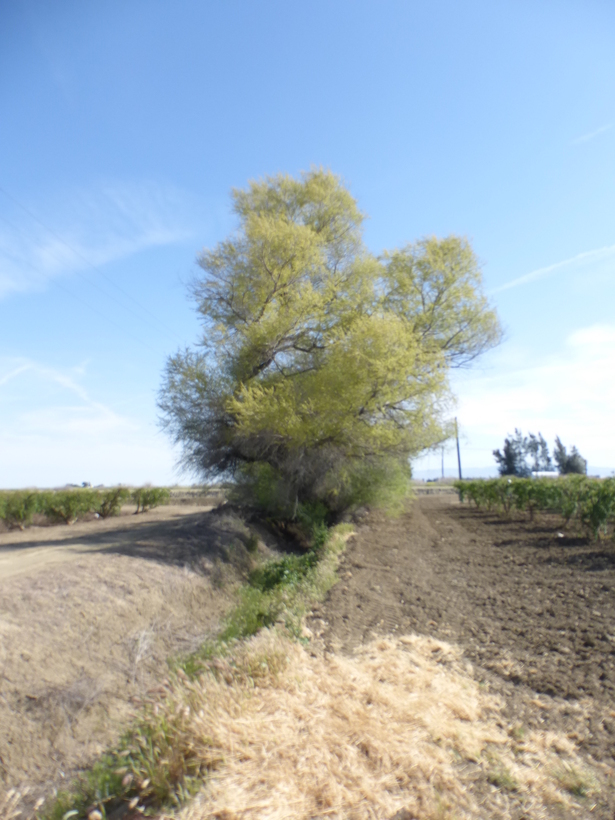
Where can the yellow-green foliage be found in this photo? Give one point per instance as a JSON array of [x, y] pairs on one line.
[[317, 355], [18, 507], [146, 498], [68, 505], [384, 483]]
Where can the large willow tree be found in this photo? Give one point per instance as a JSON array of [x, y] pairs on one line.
[[322, 369]]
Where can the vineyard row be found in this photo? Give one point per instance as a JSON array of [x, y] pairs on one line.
[[18, 507], [583, 502]]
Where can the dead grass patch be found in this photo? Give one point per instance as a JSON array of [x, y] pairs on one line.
[[9, 805], [292, 733]]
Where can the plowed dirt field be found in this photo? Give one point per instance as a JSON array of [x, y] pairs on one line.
[[534, 612]]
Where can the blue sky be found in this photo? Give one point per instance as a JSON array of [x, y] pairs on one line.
[[124, 125]]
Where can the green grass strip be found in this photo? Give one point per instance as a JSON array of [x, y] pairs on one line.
[[152, 768]]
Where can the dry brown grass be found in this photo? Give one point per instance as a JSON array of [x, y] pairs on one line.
[[11, 805], [291, 733]]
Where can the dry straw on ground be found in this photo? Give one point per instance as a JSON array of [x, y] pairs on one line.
[[289, 732], [401, 725], [9, 804]]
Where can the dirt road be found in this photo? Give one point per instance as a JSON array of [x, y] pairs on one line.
[[25, 552], [533, 612]]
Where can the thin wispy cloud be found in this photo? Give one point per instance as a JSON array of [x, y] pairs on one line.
[[73, 405], [66, 381], [12, 374], [581, 259], [85, 230], [590, 136]]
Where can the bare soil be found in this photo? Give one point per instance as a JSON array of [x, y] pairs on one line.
[[534, 612], [89, 615]]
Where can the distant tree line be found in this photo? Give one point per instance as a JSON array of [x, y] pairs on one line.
[[523, 455]]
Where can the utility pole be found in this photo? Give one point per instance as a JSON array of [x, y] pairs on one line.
[[458, 454], [442, 463]]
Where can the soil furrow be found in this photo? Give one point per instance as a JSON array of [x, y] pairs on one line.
[[533, 612]]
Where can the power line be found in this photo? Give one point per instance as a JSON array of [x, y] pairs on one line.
[[90, 264]]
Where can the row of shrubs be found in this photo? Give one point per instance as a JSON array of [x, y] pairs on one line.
[[18, 507], [588, 502]]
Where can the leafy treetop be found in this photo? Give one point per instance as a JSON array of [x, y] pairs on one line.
[[568, 463], [522, 455], [319, 359]]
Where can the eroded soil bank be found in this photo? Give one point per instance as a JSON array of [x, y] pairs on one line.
[[89, 615], [533, 612]]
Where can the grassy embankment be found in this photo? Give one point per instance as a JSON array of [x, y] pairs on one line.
[[158, 763]]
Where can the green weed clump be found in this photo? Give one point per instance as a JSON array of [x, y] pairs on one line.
[[288, 571], [575, 780], [279, 591], [255, 610], [146, 498], [585, 502], [159, 762], [18, 507], [501, 778], [67, 506]]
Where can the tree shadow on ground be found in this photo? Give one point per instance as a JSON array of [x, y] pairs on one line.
[[596, 560], [180, 541]]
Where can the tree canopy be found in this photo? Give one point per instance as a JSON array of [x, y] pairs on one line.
[[321, 366], [513, 458], [567, 463]]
